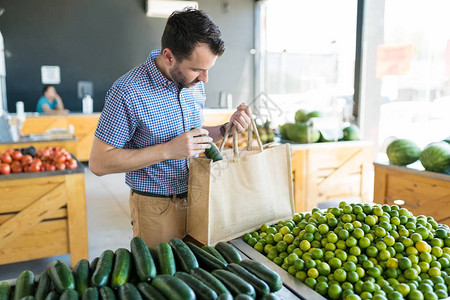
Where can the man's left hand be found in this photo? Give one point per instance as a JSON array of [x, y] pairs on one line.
[[241, 118]]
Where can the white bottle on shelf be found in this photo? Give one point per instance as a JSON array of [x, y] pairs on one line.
[[87, 104]]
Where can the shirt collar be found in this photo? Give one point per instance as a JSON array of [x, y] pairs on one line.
[[155, 75]]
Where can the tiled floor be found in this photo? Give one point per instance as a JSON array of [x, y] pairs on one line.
[[108, 218]]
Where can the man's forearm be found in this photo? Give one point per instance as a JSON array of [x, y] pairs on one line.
[[116, 160]]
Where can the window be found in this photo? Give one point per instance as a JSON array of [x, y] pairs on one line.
[[308, 55], [406, 71]]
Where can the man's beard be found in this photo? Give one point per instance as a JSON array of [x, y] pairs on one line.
[[179, 79]]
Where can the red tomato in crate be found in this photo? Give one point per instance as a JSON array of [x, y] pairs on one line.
[[60, 166], [34, 167], [16, 167], [5, 169], [55, 149], [71, 164], [26, 160], [9, 151], [37, 161], [6, 158], [45, 155], [60, 158], [50, 167], [16, 155]]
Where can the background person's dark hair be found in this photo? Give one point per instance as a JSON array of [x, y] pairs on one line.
[[46, 87], [188, 27]]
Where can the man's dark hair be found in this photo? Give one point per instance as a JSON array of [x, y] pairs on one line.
[[188, 27], [46, 87]]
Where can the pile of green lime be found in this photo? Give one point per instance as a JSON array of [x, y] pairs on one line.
[[360, 251]]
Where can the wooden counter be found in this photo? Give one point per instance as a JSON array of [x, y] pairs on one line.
[[84, 127], [329, 171], [423, 192], [42, 215]]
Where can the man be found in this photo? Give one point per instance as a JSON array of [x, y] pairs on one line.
[[145, 127]]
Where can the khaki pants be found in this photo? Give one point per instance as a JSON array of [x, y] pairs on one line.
[[157, 220]]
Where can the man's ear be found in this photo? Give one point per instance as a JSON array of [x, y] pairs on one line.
[[168, 57]]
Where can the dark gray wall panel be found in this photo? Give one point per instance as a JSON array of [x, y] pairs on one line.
[[99, 40]]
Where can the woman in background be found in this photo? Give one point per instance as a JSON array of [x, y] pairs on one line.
[[50, 102]]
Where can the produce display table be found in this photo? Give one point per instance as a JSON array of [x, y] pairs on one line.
[[43, 214], [328, 171], [423, 192], [295, 287], [84, 127]]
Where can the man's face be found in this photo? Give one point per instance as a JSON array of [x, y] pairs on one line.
[[188, 72]]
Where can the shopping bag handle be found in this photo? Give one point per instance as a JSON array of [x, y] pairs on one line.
[[252, 128]]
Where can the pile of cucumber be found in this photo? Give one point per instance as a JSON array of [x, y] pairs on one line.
[[174, 270]]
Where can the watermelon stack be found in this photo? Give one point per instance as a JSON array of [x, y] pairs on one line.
[[435, 157]]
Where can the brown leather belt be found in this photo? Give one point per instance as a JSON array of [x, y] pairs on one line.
[[179, 196]]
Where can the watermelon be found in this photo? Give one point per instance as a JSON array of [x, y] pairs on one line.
[[351, 133], [436, 157], [302, 133], [403, 152], [300, 116]]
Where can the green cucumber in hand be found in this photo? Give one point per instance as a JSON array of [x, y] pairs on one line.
[[212, 152]]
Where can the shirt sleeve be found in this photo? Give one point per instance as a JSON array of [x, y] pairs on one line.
[[41, 102], [116, 125]]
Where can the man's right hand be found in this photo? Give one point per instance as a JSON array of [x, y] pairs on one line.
[[189, 144]]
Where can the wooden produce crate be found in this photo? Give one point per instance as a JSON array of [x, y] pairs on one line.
[[328, 171], [295, 286], [423, 192], [43, 214], [84, 127]]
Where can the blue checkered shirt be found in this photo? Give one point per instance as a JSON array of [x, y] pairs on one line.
[[144, 108]]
